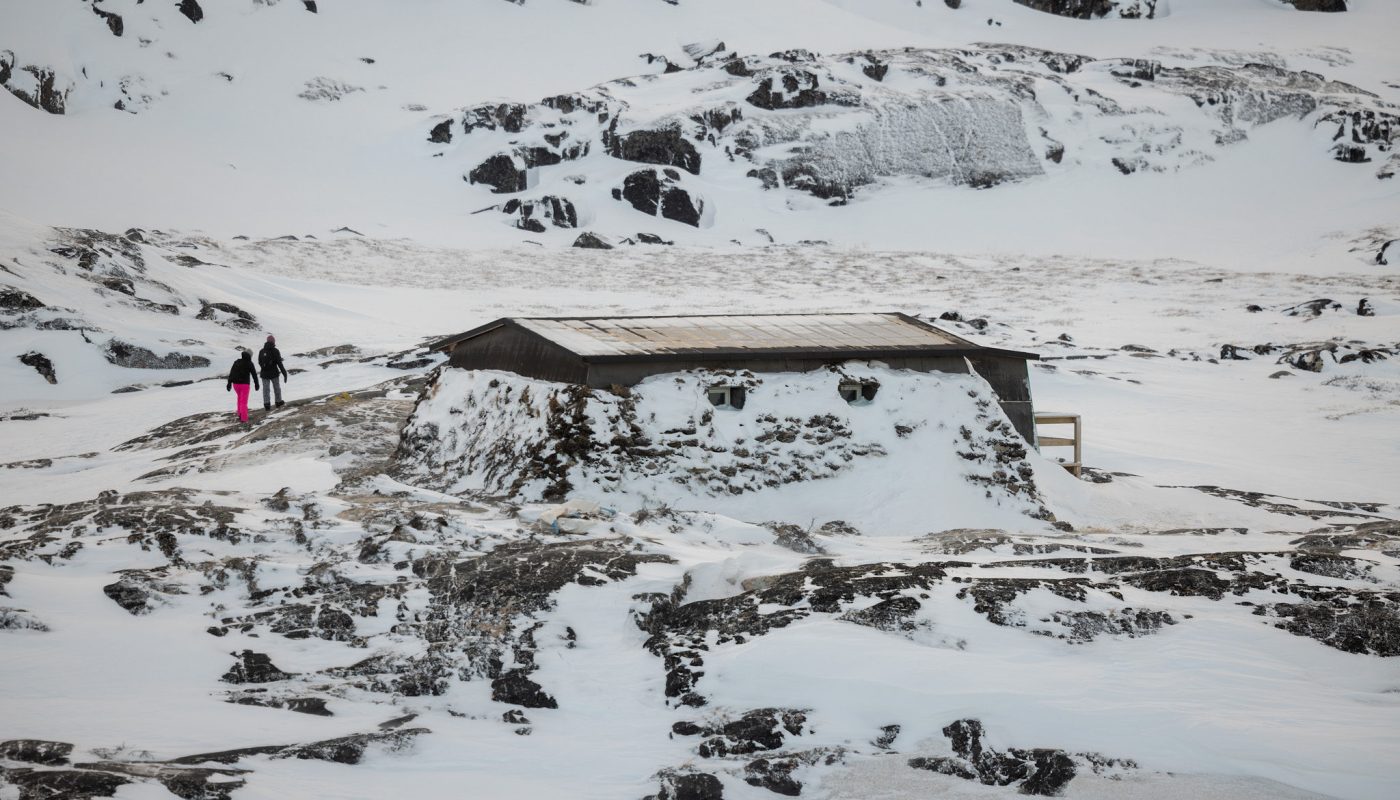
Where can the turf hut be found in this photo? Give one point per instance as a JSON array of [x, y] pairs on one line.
[[601, 352]]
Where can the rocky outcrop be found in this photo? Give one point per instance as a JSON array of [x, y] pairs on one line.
[[38, 86], [114, 21], [36, 751], [14, 300], [254, 667], [1043, 772], [666, 147], [131, 356], [537, 215], [41, 364], [228, 315], [503, 172], [659, 193], [1091, 9]]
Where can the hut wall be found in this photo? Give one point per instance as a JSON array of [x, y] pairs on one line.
[[1010, 379], [514, 350]]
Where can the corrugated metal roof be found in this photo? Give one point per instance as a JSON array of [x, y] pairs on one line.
[[624, 336]]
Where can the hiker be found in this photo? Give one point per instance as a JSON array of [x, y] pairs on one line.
[[242, 372], [270, 364]]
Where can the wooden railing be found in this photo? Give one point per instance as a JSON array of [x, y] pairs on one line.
[[1076, 466]]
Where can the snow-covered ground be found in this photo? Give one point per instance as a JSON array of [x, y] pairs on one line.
[[344, 594]]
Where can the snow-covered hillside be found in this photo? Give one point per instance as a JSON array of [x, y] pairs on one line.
[[174, 123], [418, 581]]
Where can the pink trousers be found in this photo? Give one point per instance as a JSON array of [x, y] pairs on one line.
[[241, 391]]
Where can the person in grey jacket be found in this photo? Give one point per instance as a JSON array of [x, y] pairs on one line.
[[270, 366]]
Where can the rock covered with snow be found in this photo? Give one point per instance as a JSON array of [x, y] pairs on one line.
[[926, 441]]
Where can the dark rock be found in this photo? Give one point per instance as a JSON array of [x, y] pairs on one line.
[[875, 70], [509, 117], [501, 173], [1038, 772], [516, 687], [41, 364], [651, 238], [441, 132], [14, 300], [891, 615], [533, 214], [46, 96], [132, 594], [1312, 308], [254, 668], [350, 749], [888, 734], [775, 775], [62, 783], [953, 4], [1365, 309], [658, 193], [191, 10], [125, 354], [666, 147], [790, 88], [1078, 9], [114, 21], [311, 6], [757, 730], [1318, 5], [226, 314], [688, 786], [36, 751], [591, 241], [1350, 622]]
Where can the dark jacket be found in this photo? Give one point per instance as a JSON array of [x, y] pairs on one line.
[[243, 371], [270, 362]]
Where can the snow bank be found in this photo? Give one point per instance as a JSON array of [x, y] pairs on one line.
[[928, 452]]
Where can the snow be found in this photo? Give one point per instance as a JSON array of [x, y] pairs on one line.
[[302, 136]]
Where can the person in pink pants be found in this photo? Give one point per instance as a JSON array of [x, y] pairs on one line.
[[239, 376]]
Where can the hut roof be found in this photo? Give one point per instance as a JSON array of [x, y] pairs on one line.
[[865, 335]]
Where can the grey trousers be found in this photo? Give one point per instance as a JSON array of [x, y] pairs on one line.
[[271, 385]]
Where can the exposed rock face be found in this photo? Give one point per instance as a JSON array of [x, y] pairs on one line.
[[441, 132], [38, 86], [41, 364], [688, 786], [16, 300], [77, 784], [666, 147], [114, 21], [756, 731], [125, 354], [659, 193], [139, 591], [36, 751]]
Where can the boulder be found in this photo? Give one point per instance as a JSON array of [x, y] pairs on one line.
[[501, 172], [441, 132], [591, 241], [191, 10], [659, 193], [114, 21]]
